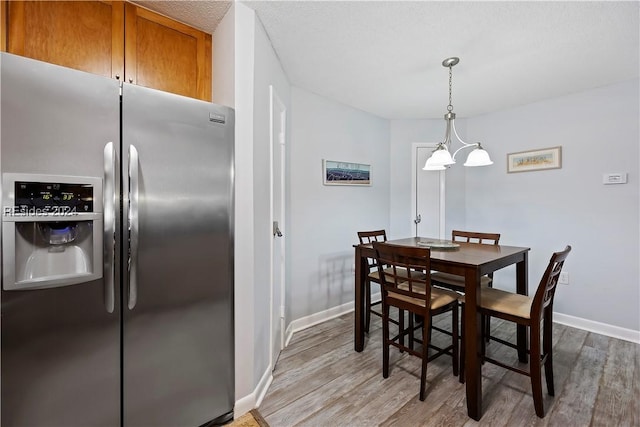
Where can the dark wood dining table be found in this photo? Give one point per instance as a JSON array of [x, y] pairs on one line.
[[472, 261]]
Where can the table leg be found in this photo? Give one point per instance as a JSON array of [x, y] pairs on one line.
[[522, 287], [361, 266], [473, 372]]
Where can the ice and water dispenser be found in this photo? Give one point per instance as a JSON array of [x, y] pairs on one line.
[[52, 229]]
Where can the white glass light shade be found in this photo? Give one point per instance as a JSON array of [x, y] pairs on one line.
[[478, 157], [431, 167], [439, 159]]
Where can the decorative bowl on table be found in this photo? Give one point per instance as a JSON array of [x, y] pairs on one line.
[[438, 244]]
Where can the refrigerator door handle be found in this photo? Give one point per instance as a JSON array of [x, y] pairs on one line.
[[133, 227], [109, 204]]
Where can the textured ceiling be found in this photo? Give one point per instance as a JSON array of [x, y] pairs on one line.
[[385, 57], [204, 15]]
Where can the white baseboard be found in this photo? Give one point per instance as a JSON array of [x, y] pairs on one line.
[[263, 385], [314, 319], [597, 327], [564, 319], [244, 405], [288, 334], [323, 316], [254, 399]]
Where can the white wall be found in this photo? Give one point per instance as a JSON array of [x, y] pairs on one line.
[[325, 219], [245, 318], [545, 210], [222, 69], [268, 71], [256, 68], [403, 134]]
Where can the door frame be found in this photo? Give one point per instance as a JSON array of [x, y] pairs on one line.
[[415, 168], [275, 100]]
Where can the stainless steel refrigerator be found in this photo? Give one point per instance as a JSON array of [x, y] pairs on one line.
[[117, 252]]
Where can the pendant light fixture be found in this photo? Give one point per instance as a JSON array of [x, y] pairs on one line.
[[440, 158]]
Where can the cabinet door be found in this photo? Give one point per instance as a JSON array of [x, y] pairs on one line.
[[3, 26], [85, 35], [164, 54]]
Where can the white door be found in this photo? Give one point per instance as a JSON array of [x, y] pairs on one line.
[[278, 137], [427, 206]]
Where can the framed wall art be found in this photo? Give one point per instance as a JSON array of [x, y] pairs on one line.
[[534, 160], [345, 173]]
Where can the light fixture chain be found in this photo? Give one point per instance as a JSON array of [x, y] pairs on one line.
[[450, 106]]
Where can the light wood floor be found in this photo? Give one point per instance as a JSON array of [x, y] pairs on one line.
[[320, 380]]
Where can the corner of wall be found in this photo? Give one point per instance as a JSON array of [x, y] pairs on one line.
[[223, 67], [253, 399], [244, 35]]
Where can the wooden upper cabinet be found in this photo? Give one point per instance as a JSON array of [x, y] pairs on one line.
[[111, 38], [85, 35], [3, 26], [166, 55]]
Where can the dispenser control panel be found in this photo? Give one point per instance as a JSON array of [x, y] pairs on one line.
[[53, 197]]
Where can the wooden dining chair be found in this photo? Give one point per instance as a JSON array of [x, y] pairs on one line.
[[530, 312], [456, 283], [406, 285], [368, 237]]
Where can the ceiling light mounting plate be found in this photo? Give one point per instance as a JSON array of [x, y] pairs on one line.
[[450, 62]]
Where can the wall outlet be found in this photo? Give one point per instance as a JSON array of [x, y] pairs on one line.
[[564, 278]]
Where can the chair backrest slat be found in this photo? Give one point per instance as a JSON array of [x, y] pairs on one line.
[[372, 236], [475, 237]]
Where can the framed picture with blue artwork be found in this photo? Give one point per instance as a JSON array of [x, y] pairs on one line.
[[345, 173]]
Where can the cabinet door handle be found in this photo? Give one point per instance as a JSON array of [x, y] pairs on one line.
[[130, 80], [117, 76]]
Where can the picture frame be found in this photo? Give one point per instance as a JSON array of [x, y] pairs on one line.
[[535, 160], [345, 173]]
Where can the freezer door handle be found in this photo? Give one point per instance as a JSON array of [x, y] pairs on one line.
[[132, 263], [109, 204]]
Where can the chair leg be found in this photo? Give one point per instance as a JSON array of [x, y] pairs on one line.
[[487, 328], [411, 331], [454, 333], [462, 346], [367, 308], [401, 327], [486, 335], [486, 323], [426, 325], [548, 350], [385, 340], [536, 368]]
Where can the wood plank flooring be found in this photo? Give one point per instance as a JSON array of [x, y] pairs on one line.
[[320, 380]]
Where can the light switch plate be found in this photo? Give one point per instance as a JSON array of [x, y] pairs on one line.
[[614, 178], [564, 278]]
